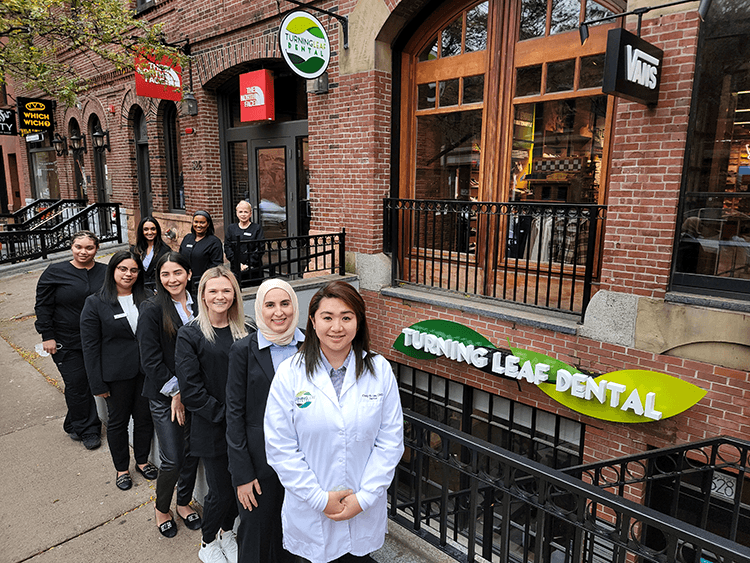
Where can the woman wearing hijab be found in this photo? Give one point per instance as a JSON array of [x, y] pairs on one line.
[[252, 364], [201, 246]]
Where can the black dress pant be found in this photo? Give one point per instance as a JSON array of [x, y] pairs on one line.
[[176, 464], [82, 418], [220, 504], [125, 400], [259, 535]]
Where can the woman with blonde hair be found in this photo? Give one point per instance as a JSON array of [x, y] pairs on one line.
[[201, 365]]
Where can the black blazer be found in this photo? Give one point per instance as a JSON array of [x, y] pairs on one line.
[[201, 368], [157, 347], [248, 383], [250, 254], [149, 274], [110, 348]]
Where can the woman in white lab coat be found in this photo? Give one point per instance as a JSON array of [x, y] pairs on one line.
[[334, 433]]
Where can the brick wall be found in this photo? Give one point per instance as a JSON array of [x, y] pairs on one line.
[[648, 147]]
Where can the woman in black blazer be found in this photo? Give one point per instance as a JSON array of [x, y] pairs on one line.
[[160, 318], [201, 362], [149, 246], [249, 256], [201, 247], [252, 364], [110, 352]]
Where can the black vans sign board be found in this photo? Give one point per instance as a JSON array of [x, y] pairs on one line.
[[632, 68]]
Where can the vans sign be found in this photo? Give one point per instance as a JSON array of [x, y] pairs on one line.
[[632, 68]]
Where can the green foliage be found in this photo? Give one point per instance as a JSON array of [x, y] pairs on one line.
[[45, 44]]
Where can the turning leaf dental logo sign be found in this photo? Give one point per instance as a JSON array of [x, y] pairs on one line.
[[620, 396], [304, 45]]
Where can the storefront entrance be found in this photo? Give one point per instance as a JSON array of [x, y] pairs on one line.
[[268, 166]]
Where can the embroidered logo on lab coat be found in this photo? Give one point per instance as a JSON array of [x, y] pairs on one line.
[[303, 399]]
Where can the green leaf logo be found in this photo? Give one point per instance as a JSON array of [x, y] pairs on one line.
[[304, 44], [447, 330]]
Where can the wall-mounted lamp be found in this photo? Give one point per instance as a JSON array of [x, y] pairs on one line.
[[318, 85], [60, 144], [583, 29], [78, 143], [100, 139], [189, 103]]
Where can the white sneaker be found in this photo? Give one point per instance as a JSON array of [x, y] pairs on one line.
[[228, 542], [212, 553]]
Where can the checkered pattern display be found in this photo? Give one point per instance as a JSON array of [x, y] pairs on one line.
[[558, 165]]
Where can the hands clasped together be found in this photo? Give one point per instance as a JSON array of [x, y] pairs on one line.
[[342, 505]]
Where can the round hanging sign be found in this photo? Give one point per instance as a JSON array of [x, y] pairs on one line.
[[304, 44]]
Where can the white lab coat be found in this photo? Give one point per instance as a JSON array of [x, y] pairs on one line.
[[317, 443]]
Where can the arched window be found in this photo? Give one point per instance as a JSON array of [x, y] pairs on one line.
[[78, 148], [173, 157], [140, 133], [101, 176]]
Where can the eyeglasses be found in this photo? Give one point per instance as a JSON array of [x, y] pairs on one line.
[[125, 270]]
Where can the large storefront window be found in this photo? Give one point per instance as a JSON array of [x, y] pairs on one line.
[[713, 239]]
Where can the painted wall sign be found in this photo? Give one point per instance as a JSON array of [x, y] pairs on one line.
[[8, 122], [620, 396], [256, 96], [158, 79], [304, 44], [35, 115], [632, 68]]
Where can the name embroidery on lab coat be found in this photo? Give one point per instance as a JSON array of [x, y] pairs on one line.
[[303, 399]]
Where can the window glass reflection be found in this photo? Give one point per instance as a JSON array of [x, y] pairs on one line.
[[448, 92], [430, 51], [592, 71], [473, 89], [533, 19], [565, 16], [529, 80], [476, 28], [451, 38], [560, 76], [426, 96]]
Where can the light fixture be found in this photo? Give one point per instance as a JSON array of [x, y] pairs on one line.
[[78, 142], [100, 139], [583, 29], [60, 144], [189, 103], [318, 85]]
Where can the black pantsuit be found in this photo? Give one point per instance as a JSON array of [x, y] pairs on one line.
[[249, 380], [126, 399], [82, 417], [110, 352], [201, 368]]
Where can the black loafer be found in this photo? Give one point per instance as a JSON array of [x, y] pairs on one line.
[[124, 482], [192, 521], [150, 471], [168, 529], [91, 441]]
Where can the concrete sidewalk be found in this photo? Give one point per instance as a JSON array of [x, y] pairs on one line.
[[60, 500]]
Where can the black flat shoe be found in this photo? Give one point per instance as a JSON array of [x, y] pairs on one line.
[[192, 521], [124, 482], [168, 529], [150, 471]]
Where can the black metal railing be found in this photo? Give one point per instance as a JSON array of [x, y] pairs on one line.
[[702, 482], [28, 211], [48, 215], [540, 254], [290, 257], [472, 499], [101, 218]]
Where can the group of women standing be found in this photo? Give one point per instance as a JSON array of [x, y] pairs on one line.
[[299, 433]]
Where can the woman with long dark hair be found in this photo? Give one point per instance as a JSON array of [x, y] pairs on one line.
[[60, 294], [149, 246], [252, 364], [334, 433], [109, 321], [201, 246], [202, 363], [160, 318]]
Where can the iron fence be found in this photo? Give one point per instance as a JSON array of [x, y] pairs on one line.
[[101, 218], [28, 211], [47, 214], [478, 502], [540, 254], [290, 257]]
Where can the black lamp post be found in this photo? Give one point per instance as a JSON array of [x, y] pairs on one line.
[[100, 139], [78, 142], [60, 144]]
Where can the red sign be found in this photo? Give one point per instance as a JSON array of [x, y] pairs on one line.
[[256, 96], [161, 80]]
